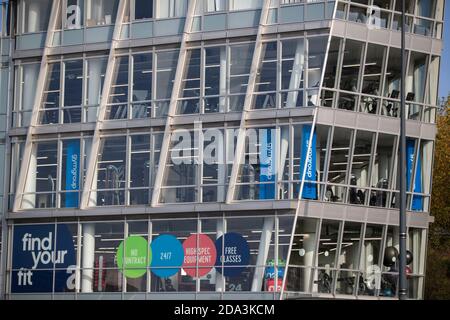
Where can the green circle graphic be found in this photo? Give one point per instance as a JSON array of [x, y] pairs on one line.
[[136, 258]]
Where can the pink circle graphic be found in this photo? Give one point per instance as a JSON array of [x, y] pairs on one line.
[[199, 249]]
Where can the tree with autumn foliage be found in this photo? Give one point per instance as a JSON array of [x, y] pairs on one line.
[[438, 261]]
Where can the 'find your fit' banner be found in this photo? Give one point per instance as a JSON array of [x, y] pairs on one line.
[[38, 251]]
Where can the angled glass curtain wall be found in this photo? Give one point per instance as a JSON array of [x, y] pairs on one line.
[[125, 169], [365, 77], [348, 166], [199, 165], [56, 173], [142, 84], [72, 90], [423, 17], [289, 73], [341, 258], [215, 78]]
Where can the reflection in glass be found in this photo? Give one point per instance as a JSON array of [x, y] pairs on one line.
[[370, 259], [351, 65], [339, 159], [111, 169], [382, 170], [360, 174]]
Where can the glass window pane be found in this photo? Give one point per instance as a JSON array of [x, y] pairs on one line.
[[166, 68], [96, 69], [140, 167], [339, 160], [351, 65], [361, 165], [119, 87], [111, 171], [240, 62], [143, 9], [164, 263], [35, 15], [73, 82], [101, 12], [329, 236], [243, 5], [100, 242], [331, 69], [373, 69], [142, 77], [46, 174], [171, 8], [190, 85], [74, 14], [370, 259], [381, 172]]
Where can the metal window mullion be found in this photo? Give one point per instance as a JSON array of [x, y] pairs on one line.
[[153, 84], [291, 159], [198, 132], [360, 271], [315, 264], [59, 165], [95, 145], [62, 72], [127, 170], [279, 73], [164, 151], [148, 266], [240, 145], [362, 235], [338, 254], [130, 85], [78, 261], [201, 108], [125, 236], [84, 104], [24, 167]]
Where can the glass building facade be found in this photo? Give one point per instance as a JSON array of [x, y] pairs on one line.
[[213, 149]]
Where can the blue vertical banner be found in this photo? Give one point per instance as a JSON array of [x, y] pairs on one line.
[[72, 173], [417, 202], [308, 159], [267, 156]]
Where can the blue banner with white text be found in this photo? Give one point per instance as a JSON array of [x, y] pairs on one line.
[[308, 158], [72, 173], [417, 202], [267, 163]]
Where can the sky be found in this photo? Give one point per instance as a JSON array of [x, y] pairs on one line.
[[444, 83]]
